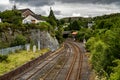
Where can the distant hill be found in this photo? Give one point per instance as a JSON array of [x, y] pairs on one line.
[[68, 19], [71, 19], [113, 15]]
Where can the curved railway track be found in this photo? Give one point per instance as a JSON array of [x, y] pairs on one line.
[[71, 70], [66, 64], [74, 72]]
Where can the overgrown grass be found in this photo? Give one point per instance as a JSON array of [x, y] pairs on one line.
[[15, 60]]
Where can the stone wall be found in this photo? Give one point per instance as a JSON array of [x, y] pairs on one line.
[[45, 39], [36, 36]]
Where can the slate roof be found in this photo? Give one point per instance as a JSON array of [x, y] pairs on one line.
[[23, 10], [38, 17]]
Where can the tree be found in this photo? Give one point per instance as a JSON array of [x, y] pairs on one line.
[[74, 25], [69, 20], [52, 19], [51, 15], [52, 22], [11, 16], [59, 35]]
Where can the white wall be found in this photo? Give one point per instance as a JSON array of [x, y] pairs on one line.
[[29, 20]]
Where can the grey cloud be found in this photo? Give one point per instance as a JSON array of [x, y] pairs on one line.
[[34, 2], [52, 2], [57, 12], [40, 11], [91, 1], [3, 7]]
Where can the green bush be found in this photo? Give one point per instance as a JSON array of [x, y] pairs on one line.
[[19, 40], [115, 75], [3, 58]]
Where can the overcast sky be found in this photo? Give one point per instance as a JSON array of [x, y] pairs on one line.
[[65, 8]]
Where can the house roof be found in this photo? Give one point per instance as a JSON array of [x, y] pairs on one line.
[[23, 10], [74, 33], [38, 17]]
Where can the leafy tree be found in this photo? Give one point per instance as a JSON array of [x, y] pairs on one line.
[[52, 19], [89, 44], [11, 16], [52, 22], [62, 21], [104, 24], [59, 35], [51, 15], [80, 36], [84, 33], [74, 25]]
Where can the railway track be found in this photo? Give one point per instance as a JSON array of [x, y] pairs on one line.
[[57, 69], [71, 70], [74, 72], [44, 63], [65, 64]]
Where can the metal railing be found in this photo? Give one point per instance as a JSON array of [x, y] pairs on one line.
[[6, 51]]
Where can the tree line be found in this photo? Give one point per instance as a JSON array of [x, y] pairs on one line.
[[104, 46]]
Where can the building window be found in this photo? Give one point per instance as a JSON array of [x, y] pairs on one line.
[[33, 21]]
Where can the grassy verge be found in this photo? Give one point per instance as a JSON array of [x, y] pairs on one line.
[[15, 60], [92, 74]]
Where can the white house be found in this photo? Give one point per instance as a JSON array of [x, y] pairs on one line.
[[90, 24], [32, 19]]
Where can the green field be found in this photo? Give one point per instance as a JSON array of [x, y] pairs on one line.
[[17, 59]]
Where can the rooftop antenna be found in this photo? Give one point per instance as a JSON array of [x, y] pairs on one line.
[[50, 8]]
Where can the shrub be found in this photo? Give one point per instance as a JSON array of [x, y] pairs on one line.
[[19, 40], [3, 58]]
